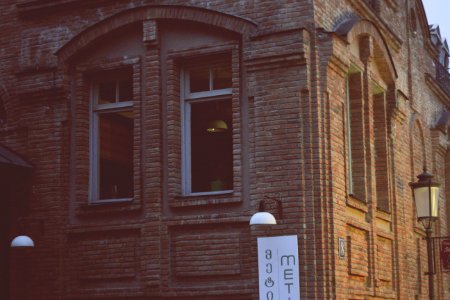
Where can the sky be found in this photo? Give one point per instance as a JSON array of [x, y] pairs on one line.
[[438, 12]]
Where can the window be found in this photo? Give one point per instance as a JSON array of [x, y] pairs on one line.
[[358, 160], [356, 136], [207, 127], [381, 146], [112, 137]]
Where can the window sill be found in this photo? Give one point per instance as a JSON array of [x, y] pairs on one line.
[[109, 201], [384, 215], [205, 198], [224, 192], [110, 205], [357, 203]]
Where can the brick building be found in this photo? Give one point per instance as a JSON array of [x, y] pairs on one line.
[[138, 137]]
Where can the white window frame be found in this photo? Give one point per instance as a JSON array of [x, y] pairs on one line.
[[95, 110], [187, 98]]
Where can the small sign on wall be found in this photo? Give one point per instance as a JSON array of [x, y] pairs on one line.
[[278, 268], [341, 245]]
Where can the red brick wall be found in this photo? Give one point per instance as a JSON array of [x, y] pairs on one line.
[[290, 60]]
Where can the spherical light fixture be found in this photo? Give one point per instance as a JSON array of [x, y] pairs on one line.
[[263, 218], [22, 241]]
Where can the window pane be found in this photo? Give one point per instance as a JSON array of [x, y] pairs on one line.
[[221, 77], [116, 155], [211, 151], [199, 79], [107, 92], [126, 90]]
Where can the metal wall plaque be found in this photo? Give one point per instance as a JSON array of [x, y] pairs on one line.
[[341, 245]]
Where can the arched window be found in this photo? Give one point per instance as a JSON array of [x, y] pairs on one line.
[[161, 97], [370, 92]]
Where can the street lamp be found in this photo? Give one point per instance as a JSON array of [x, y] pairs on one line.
[[426, 197]]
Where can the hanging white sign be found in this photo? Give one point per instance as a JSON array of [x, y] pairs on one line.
[[278, 268]]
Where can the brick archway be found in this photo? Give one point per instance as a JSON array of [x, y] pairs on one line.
[[353, 29], [229, 22]]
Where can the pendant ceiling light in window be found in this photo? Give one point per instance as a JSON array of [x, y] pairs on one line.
[[217, 126]]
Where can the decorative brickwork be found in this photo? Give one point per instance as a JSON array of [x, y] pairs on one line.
[[334, 110]]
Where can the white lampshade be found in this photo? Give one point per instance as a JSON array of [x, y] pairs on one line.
[[22, 241], [263, 218], [427, 201], [426, 196]]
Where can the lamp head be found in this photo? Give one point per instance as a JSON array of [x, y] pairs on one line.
[[426, 197], [263, 218], [22, 241]]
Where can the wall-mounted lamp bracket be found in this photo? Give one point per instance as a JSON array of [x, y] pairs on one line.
[[265, 218]]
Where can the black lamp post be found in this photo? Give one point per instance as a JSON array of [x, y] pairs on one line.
[[426, 196]]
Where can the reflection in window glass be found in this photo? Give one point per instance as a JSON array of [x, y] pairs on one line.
[[210, 78], [211, 152], [125, 90], [221, 77], [199, 80], [116, 155], [107, 92]]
